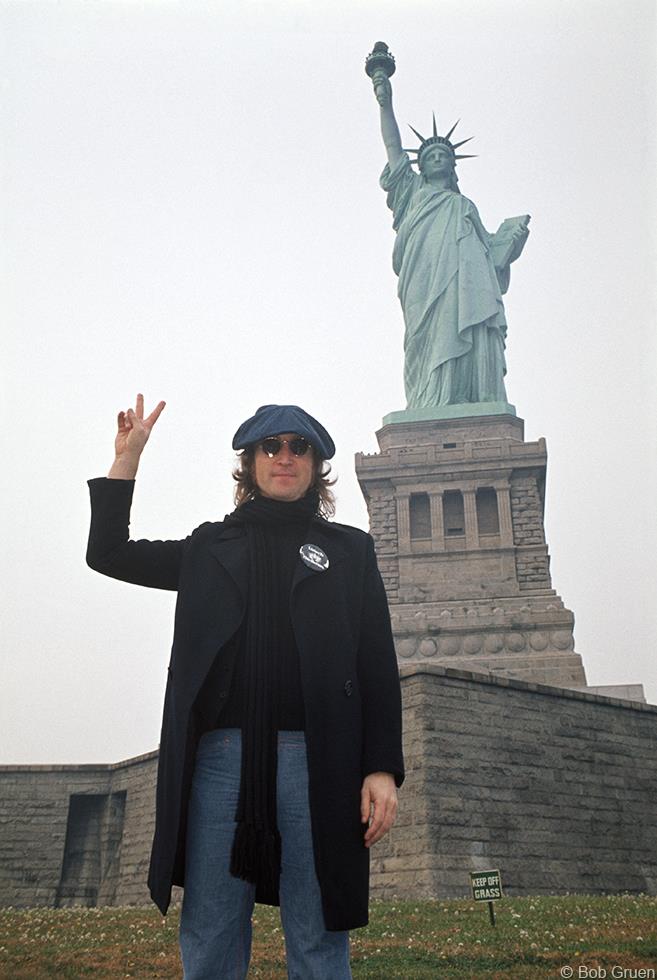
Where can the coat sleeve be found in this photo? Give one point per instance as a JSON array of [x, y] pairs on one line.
[[378, 678], [110, 551]]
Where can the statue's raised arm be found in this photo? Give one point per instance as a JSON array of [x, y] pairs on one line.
[[380, 65], [452, 272]]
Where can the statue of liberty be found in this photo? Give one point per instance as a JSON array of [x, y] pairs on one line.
[[452, 272]]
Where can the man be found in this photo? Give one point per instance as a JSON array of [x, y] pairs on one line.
[[281, 739]]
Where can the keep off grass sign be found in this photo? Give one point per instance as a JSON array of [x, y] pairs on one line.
[[486, 886]]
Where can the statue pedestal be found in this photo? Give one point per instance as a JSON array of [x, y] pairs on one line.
[[456, 511]]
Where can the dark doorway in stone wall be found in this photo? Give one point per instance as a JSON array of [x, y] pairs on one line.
[[90, 867]]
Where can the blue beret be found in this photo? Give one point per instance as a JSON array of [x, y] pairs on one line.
[[272, 420]]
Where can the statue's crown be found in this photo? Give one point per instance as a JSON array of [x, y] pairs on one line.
[[426, 142]]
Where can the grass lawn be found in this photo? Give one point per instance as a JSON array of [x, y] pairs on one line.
[[533, 938]]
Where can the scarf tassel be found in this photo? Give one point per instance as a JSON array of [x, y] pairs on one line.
[[256, 856]]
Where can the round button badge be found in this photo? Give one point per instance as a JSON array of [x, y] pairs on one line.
[[313, 556]]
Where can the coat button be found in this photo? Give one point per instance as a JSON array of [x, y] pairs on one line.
[[348, 688]]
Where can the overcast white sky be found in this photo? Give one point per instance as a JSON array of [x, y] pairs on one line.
[[191, 208]]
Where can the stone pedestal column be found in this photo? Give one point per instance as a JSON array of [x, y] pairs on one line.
[[403, 522], [477, 601], [504, 511], [437, 524], [470, 515]]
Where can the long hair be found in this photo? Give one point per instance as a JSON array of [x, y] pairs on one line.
[[246, 487]]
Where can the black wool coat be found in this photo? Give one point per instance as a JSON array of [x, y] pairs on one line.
[[349, 676]]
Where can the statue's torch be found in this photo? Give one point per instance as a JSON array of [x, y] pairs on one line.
[[380, 59], [379, 63]]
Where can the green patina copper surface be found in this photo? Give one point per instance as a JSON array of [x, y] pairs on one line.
[[452, 272], [464, 410]]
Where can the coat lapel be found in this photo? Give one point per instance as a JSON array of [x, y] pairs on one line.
[[231, 552]]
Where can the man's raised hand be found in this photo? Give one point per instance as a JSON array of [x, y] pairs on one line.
[[133, 434]]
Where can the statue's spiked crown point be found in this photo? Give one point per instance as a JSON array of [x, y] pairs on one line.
[[426, 142]]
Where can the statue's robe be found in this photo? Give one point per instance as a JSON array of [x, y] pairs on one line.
[[449, 291]]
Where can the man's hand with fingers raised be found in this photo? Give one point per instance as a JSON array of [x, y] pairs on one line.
[[133, 434]]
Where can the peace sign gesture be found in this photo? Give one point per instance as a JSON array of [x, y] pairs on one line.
[[133, 434]]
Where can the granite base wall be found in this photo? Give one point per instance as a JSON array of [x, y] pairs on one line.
[[554, 787], [34, 818]]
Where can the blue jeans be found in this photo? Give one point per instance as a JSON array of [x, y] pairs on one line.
[[215, 924]]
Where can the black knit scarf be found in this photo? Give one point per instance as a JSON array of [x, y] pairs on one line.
[[256, 852]]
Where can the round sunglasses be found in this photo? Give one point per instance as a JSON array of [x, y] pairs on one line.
[[272, 446]]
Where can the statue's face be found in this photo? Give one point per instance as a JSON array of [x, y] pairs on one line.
[[437, 161]]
